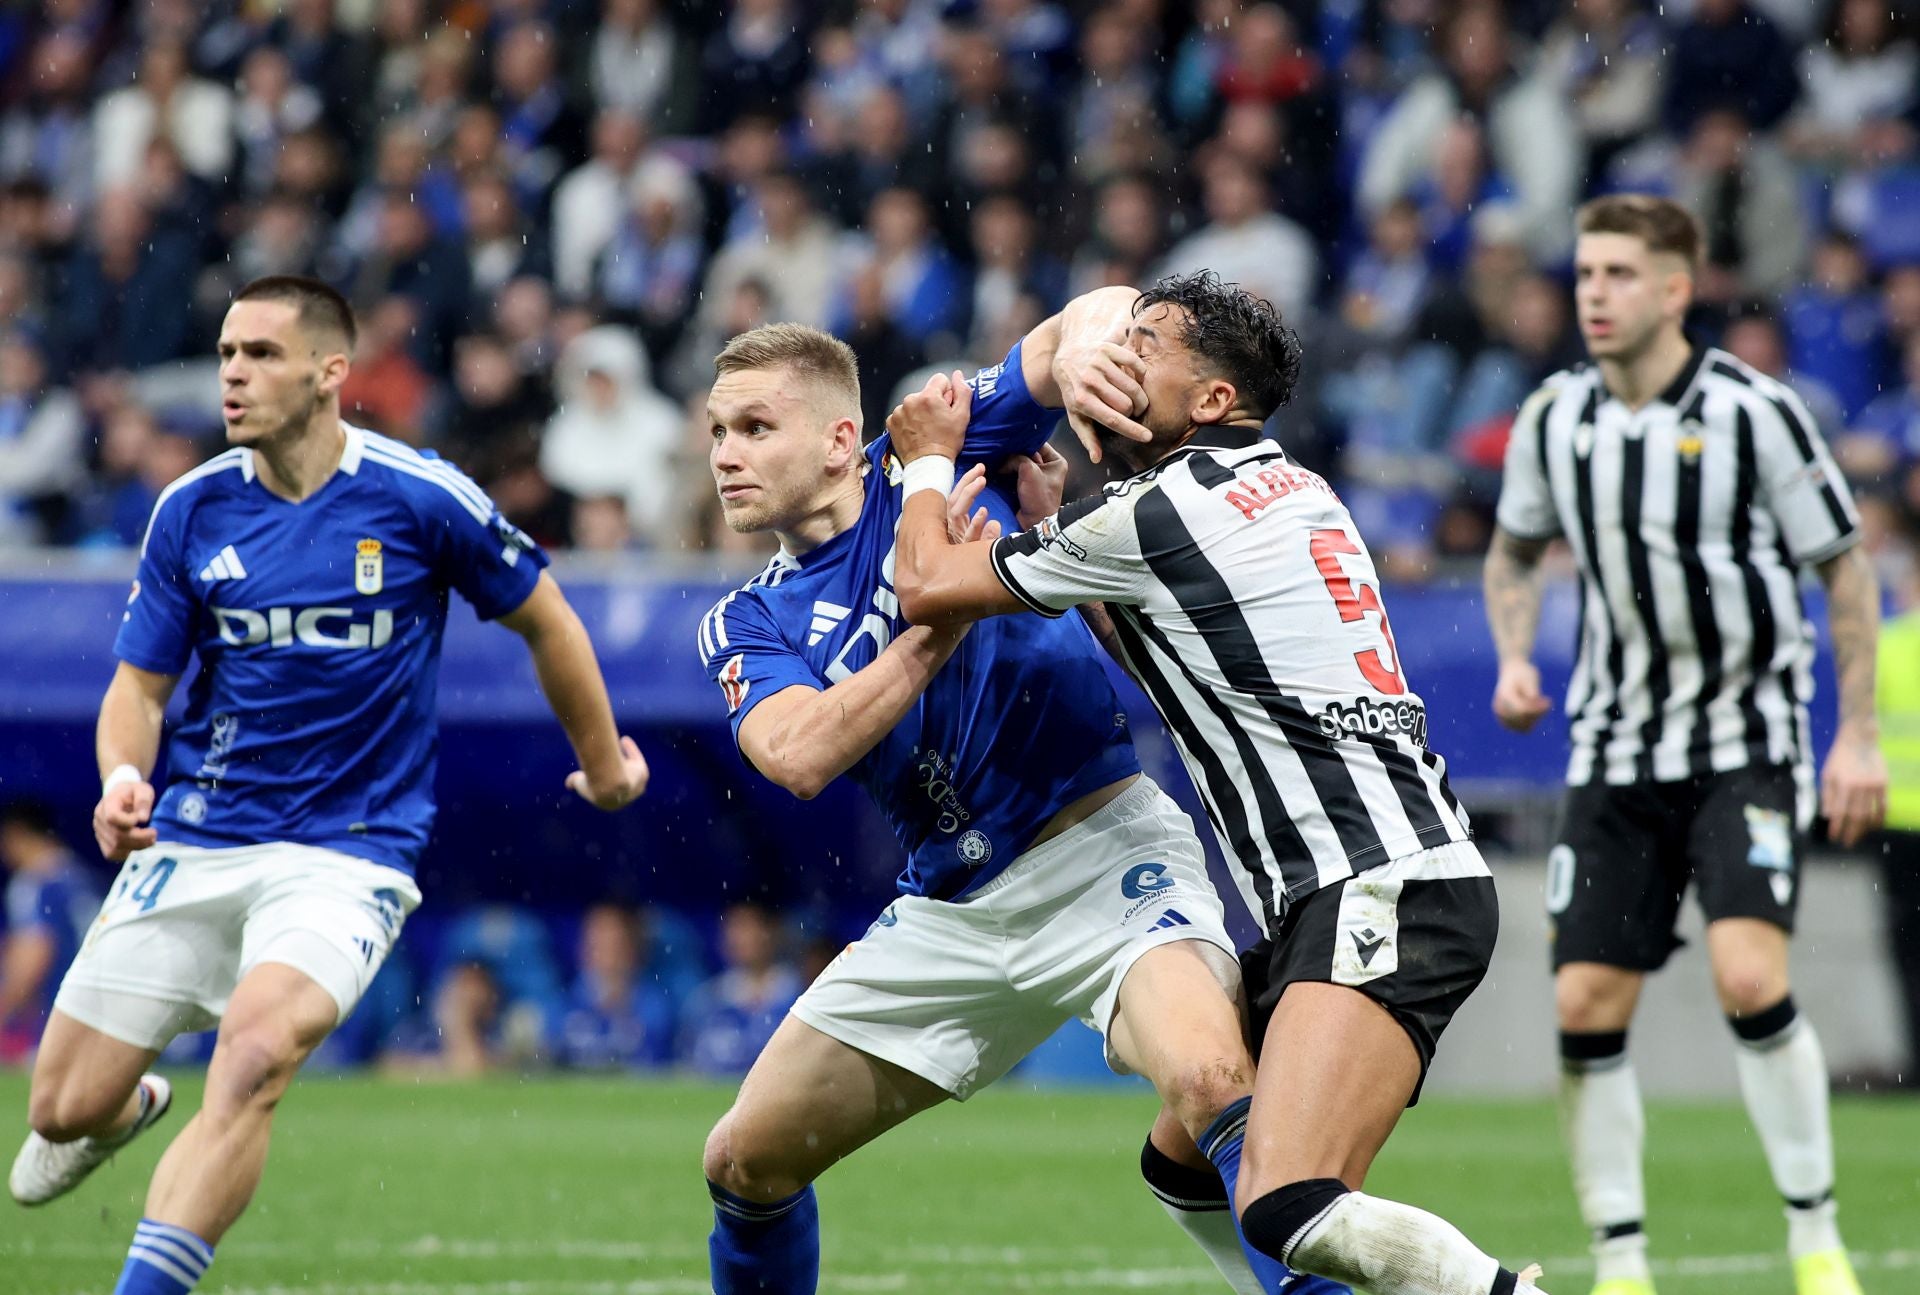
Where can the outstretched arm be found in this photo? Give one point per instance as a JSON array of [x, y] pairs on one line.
[[1076, 361], [1853, 787], [612, 772], [1512, 583], [126, 744]]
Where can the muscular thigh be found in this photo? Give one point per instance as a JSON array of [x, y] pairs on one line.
[[810, 1099]]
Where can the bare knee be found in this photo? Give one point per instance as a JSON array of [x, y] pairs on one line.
[[1748, 986], [251, 1068], [1197, 1093], [64, 1112], [1590, 1000], [741, 1164]]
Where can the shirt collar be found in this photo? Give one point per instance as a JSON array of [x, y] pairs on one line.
[[1676, 391]]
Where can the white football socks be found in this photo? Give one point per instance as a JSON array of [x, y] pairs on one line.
[[1605, 1127], [1783, 1076]]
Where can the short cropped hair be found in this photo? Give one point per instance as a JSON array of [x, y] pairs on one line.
[[1662, 224], [1242, 335], [818, 357], [321, 308]]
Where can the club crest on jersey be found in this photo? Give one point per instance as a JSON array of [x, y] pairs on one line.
[[1583, 440], [367, 567], [1692, 441], [734, 682]]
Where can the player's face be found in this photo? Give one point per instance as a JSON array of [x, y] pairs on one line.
[[1172, 376], [273, 373], [1625, 294], [772, 448]]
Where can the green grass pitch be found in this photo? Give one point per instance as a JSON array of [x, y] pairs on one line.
[[592, 1187]]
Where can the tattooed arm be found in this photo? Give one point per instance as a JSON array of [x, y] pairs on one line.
[[1512, 583], [1853, 788]]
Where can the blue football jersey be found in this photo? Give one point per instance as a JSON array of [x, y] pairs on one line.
[[312, 718], [1021, 720], [60, 903]]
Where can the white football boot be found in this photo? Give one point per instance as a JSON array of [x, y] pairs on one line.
[[44, 1170]]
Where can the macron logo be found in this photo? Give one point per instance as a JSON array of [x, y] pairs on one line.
[[826, 619], [226, 565]]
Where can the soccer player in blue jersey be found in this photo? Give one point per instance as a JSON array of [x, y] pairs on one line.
[[267, 878], [1046, 876]]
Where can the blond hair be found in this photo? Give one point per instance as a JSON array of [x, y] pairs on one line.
[[1662, 224], [818, 357]]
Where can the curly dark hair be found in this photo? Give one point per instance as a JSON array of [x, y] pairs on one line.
[[1241, 334]]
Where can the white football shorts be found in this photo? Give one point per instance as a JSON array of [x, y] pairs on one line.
[[957, 992], [183, 924]]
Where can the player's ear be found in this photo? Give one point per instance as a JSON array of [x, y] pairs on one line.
[[333, 373], [845, 448], [1214, 400]]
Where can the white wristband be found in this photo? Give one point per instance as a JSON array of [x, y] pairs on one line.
[[123, 773], [928, 472]]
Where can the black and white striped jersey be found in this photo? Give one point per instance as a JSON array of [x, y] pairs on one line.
[[1247, 606], [1689, 519]]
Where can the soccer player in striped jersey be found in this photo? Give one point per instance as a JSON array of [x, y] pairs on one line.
[[1244, 601], [1692, 490], [267, 879], [1046, 876]]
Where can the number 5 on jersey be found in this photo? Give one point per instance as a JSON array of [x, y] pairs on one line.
[[1354, 602]]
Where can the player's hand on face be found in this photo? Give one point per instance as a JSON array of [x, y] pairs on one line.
[[1100, 384], [1853, 788], [1518, 702], [120, 820], [621, 789], [965, 524], [933, 420], [1042, 484]]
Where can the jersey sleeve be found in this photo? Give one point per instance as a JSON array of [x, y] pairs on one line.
[[1526, 506], [1799, 480], [1005, 419], [489, 561], [157, 629], [744, 652], [1087, 552]]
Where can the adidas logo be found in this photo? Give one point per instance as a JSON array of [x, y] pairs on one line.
[[826, 619], [226, 565], [1171, 918]]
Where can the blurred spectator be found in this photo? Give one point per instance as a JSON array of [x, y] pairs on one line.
[[884, 351], [635, 50], [1460, 183], [1010, 266], [502, 245], [1129, 236], [755, 62], [649, 271], [125, 302], [42, 435], [165, 99], [1864, 72], [434, 273], [600, 525], [794, 255], [1246, 242], [588, 200], [1744, 191], [1898, 845], [1606, 58], [542, 131], [461, 1035], [1837, 326], [614, 1018], [322, 55], [1530, 135], [1388, 281], [1883, 443], [1115, 83], [614, 434], [272, 106], [50, 903], [47, 133], [387, 389], [1755, 338], [494, 408], [1729, 55], [925, 289], [728, 1020]]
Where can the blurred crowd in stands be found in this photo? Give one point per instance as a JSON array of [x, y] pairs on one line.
[[616, 987], [551, 213]]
